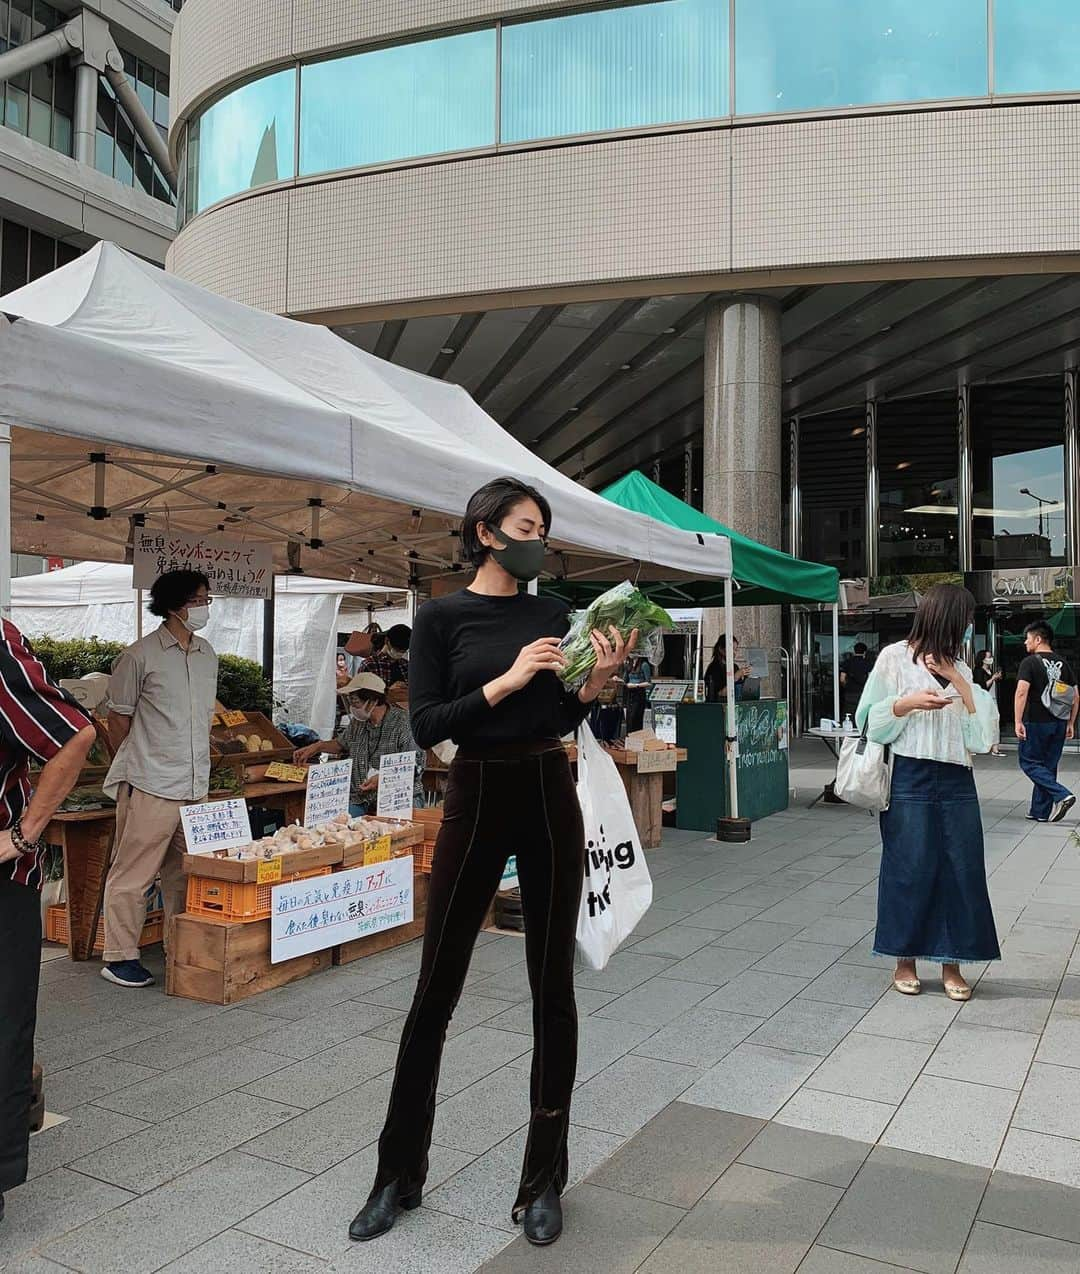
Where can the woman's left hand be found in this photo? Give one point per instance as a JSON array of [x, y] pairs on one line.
[[949, 671], [611, 653]]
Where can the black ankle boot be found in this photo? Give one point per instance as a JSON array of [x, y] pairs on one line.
[[542, 1221], [380, 1212]]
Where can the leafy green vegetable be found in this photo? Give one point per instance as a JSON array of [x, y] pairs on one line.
[[622, 607]]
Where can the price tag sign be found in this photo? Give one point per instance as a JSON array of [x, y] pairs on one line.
[[269, 871], [233, 718], [327, 792], [378, 851], [215, 825], [397, 776], [657, 762], [286, 773]]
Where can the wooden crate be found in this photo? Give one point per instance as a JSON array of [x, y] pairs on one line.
[[246, 870], [407, 838], [431, 821], [347, 952], [223, 961], [56, 929], [254, 723]]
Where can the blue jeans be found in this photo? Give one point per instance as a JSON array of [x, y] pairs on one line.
[[1040, 753]]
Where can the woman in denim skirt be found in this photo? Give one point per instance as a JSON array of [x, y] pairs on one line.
[[920, 699]]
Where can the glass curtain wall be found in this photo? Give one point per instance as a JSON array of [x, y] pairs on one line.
[[832, 482], [1019, 475], [1036, 46], [118, 152], [917, 464], [797, 55], [615, 68], [25, 255], [443, 96], [40, 103]]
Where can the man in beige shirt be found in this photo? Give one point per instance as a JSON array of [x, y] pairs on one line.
[[162, 695]]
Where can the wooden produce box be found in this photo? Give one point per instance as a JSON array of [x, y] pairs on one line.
[[431, 821], [650, 761], [347, 952], [223, 740], [224, 961], [407, 837], [246, 870]]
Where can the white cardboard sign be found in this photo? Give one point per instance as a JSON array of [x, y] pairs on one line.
[[397, 777], [311, 915], [235, 568], [215, 825], [328, 788]]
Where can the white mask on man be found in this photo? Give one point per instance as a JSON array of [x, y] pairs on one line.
[[197, 617]]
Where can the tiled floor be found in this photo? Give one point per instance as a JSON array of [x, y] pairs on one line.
[[752, 1096]]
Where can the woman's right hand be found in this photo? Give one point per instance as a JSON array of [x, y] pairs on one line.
[[542, 655], [920, 701]]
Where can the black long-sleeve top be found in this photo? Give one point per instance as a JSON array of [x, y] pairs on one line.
[[460, 643]]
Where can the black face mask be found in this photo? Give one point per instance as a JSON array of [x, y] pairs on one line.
[[523, 559]]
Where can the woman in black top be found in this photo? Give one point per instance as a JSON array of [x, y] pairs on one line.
[[483, 672]]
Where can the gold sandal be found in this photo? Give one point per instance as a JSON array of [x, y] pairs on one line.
[[907, 986], [955, 992]]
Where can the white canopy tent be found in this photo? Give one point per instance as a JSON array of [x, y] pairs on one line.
[[133, 397], [96, 599]]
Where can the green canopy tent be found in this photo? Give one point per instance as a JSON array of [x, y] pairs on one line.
[[763, 576]]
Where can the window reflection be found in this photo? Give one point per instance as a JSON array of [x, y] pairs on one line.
[[795, 55], [616, 68], [917, 460], [1019, 474], [1036, 46], [832, 479], [415, 99], [245, 140]]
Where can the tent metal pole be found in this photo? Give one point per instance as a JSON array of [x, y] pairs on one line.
[[697, 667], [268, 637], [732, 729], [836, 661], [138, 614], [5, 521]]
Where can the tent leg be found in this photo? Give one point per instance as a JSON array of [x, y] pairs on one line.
[[410, 605], [5, 521], [732, 729], [836, 661], [268, 637], [138, 614]]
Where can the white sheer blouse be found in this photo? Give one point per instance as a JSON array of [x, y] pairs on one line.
[[950, 734]]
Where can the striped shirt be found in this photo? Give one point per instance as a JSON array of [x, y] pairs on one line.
[[36, 719]]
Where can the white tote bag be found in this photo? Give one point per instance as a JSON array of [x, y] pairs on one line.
[[618, 888], [864, 774]]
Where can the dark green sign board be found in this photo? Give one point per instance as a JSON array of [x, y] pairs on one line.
[[762, 766]]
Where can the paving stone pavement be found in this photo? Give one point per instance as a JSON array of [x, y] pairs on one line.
[[751, 1096]]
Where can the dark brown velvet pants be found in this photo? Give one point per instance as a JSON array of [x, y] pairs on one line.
[[20, 965], [519, 799]]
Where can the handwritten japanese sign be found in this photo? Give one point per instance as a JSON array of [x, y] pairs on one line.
[[378, 851], [215, 825], [327, 792], [286, 773], [397, 776], [311, 915], [233, 718], [234, 568], [268, 871]]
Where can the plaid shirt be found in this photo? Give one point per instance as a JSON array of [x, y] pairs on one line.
[[386, 666], [36, 719]]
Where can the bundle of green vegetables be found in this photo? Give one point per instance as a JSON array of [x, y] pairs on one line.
[[622, 607]]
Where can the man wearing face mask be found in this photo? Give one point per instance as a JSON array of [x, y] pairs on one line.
[[375, 728], [161, 697]]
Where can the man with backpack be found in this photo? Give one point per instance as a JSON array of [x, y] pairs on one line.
[[1045, 716]]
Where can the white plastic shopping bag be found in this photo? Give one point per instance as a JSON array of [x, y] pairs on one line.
[[618, 888]]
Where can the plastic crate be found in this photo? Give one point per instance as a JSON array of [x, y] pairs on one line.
[[232, 900], [56, 929]]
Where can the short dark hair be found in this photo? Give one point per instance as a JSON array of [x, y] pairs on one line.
[[1041, 629], [860, 647], [490, 505], [173, 590], [399, 636]]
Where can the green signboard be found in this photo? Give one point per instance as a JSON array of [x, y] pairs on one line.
[[762, 765]]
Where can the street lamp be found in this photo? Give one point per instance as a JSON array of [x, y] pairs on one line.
[[1025, 491]]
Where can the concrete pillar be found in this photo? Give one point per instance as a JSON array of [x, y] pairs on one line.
[[743, 440]]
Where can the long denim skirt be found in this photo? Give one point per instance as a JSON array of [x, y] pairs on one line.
[[932, 898]]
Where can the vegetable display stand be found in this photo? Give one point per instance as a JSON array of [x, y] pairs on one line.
[[224, 961], [347, 952], [86, 839]]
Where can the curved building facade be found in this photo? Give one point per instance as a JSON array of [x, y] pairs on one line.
[[756, 247]]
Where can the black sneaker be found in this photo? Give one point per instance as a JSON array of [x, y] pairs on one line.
[[127, 973], [1033, 818], [1061, 808]]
